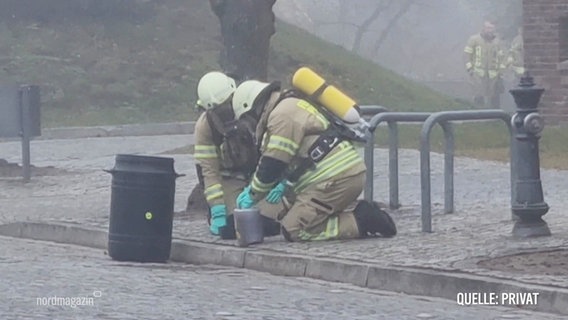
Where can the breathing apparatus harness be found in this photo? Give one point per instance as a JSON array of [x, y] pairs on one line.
[[337, 132]]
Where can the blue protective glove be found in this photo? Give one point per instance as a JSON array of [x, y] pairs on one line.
[[275, 195], [218, 218], [245, 200]]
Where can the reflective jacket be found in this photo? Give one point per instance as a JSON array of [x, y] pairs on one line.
[[215, 160], [516, 59], [484, 57], [288, 130], [207, 155]]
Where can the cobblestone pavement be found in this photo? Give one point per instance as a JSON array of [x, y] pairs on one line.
[[480, 228], [83, 191], [42, 280]]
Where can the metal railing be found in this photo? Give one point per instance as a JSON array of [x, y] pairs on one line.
[[20, 118], [442, 118], [371, 110], [391, 118]]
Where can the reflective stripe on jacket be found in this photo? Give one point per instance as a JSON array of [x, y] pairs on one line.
[[206, 155], [486, 58], [291, 129]]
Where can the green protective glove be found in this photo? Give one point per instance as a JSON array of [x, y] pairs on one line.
[[275, 195], [245, 200], [218, 218]]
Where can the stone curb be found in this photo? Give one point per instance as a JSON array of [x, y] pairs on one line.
[[56, 233], [413, 281], [150, 129]]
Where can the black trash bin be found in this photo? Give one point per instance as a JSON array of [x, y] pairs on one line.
[[141, 208]]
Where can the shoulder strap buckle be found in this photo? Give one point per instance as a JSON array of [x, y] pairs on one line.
[[323, 146]]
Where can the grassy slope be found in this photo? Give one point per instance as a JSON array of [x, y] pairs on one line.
[[370, 84], [488, 141], [112, 72], [108, 72], [361, 79]]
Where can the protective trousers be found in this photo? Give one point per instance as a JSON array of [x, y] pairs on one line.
[[324, 211], [487, 91]]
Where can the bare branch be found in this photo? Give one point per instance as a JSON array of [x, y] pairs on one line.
[[365, 25], [333, 23], [383, 36]]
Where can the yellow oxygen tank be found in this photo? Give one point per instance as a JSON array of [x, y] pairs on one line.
[[328, 96]]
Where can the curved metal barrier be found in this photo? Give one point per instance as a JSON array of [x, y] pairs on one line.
[[391, 118], [442, 118], [371, 110]]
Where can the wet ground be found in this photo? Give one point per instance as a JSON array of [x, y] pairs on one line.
[[12, 170], [545, 263], [479, 229], [42, 280]]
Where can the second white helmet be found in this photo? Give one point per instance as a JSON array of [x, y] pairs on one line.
[[244, 96], [215, 88]]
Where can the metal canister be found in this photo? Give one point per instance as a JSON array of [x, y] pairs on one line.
[[248, 226]]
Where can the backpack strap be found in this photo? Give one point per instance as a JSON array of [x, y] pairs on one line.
[[335, 123], [289, 93], [319, 149], [217, 127]]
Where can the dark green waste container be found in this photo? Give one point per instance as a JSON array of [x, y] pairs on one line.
[[141, 208]]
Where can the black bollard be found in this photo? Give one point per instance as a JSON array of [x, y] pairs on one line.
[[527, 123]]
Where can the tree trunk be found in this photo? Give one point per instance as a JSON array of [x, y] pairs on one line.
[[246, 28]]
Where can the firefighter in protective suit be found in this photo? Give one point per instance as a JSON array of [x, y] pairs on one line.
[[320, 198], [485, 63], [225, 155], [515, 60]]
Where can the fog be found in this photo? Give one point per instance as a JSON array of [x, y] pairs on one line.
[[420, 39], [115, 55]]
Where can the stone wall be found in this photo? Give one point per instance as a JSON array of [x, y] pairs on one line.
[[545, 24]]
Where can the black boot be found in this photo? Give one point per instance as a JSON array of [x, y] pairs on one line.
[[270, 227], [228, 231], [371, 219]]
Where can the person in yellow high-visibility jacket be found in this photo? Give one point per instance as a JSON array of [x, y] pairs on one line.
[[320, 188], [485, 63], [225, 155], [515, 59]]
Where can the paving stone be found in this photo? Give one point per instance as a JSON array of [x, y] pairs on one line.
[[43, 280], [479, 229]]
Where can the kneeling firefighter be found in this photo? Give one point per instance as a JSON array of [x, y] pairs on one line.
[[225, 155], [319, 172]]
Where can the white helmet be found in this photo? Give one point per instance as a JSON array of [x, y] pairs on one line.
[[214, 88], [244, 96]]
